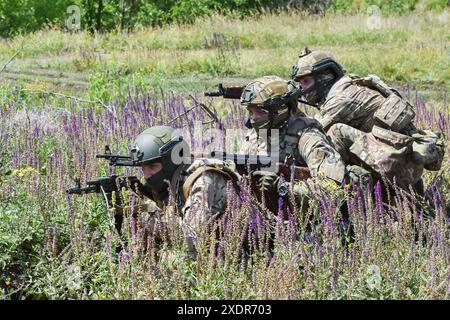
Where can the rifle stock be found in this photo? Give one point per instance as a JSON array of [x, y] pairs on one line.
[[226, 92]]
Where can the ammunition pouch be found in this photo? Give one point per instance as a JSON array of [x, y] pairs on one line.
[[396, 112], [391, 138]]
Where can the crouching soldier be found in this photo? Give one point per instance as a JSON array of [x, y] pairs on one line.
[[198, 189], [272, 104], [369, 122]]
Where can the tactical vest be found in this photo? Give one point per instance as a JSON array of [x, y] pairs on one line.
[[395, 113], [290, 137], [225, 168]]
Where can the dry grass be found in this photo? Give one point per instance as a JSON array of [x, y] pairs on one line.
[[410, 49]]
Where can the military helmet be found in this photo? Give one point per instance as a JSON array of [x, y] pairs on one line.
[[315, 62], [153, 144], [274, 95], [159, 144]]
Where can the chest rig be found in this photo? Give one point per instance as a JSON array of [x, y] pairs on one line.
[[290, 135]]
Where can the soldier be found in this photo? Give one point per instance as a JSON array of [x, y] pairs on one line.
[[272, 103], [199, 190], [369, 122]]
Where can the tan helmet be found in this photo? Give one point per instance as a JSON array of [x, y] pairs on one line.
[[314, 62], [274, 95], [325, 70]]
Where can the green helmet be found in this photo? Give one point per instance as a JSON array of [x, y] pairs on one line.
[[159, 144], [273, 94], [323, 67]]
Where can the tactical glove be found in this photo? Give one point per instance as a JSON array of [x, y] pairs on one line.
[[266, 181], [358, 174]]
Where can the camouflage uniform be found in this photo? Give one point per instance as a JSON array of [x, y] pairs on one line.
[[350, 104], [204, 195], [198, 190], [356, 113], [302, 138], [389, 158]]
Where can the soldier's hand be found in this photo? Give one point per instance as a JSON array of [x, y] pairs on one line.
[[358, 175], [266, 181]]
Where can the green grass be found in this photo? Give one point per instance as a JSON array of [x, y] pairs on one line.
[[410, 49], [36, 263]]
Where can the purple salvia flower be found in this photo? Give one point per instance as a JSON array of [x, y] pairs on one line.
[[107, 245], [124, 257], [280, 208], [378, 200], [307, 237], [55, 240], [437, 198]]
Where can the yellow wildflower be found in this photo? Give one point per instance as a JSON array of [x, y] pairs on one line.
[[36, 86], [24, 171]]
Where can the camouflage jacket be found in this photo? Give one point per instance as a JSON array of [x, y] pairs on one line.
[[200, 196], [303, 139], [350, 104]]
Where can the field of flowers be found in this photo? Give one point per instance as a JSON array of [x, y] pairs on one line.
[[55, 246]]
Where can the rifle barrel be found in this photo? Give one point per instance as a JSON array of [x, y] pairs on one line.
[[77, 190], [123, 164], [112, 156]]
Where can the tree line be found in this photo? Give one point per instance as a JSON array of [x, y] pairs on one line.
[[22, 16]]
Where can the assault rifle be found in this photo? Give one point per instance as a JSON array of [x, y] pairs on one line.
[[115, 159], [236, 92], [111, 183], [226, 92], [108, 185], [245, 164]]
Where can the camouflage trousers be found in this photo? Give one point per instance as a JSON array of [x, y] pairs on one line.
[[383, 159]]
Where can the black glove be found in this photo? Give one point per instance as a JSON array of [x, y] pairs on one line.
[[266, 181]]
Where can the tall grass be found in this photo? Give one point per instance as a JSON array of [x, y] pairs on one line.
[[54, 246]]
